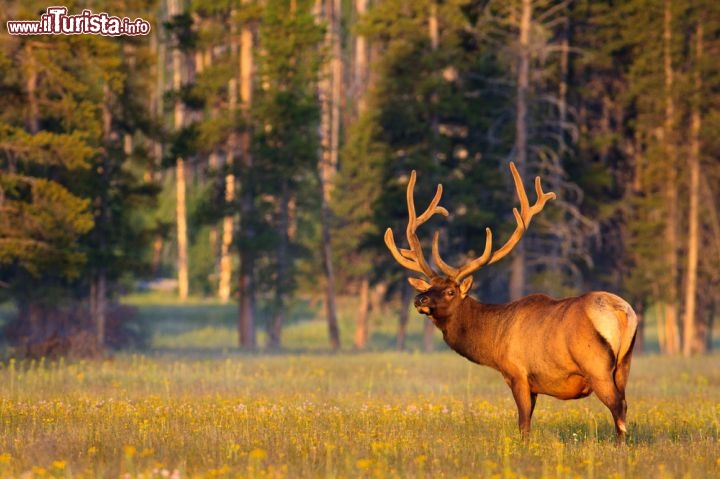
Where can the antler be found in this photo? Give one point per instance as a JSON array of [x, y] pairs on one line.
[[413, 259], [523, 218]]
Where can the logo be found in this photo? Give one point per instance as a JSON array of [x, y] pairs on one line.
[[56, 21]]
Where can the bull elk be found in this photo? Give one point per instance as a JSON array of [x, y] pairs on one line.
[[565, 348]]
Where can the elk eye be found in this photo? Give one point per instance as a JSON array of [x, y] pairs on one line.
[[450, 292]]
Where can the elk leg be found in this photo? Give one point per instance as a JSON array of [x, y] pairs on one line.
[[608, 393], [525, 401], [622, 372], [533, 400]]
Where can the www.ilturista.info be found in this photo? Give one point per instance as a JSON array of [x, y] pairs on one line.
[[56, 21]]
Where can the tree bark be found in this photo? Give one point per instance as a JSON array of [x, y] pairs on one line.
[[359, 84], [329, 93], [361, 62], [517, 267], [434, 36], [710, 297], [246, 319], [182, 238], [689, 317], [180, 211], [362, 331], [228, 223], [330, 308], [670, 295]]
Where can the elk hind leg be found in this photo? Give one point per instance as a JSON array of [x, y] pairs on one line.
[[614, 399]]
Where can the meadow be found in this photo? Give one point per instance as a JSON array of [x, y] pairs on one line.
[[215, 412]]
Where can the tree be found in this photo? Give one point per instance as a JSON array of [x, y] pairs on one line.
[[72, 178], [329, 92], [689, 343], [177, 18], [42, 220], [286, 113], [246, 287], [424, 113]]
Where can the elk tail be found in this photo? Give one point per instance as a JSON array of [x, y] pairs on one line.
[[628, 324]]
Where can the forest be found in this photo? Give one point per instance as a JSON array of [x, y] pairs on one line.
[[255, 152]]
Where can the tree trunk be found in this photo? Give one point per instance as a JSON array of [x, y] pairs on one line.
[[182, 238], [670, 295], [330, 309], [434, 34], [362, 331], [101, 304], [689, 317], [710, 297], [708, 326], [361, 62], [555, 252], [337, 81], [377, 297], [329, 93], [246, 319], [275, 324], [100, 301], [228, 223], [359, 82], [517, 267], [180, 211]]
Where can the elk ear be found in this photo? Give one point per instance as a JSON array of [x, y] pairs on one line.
[[465, 286], [420, 285]]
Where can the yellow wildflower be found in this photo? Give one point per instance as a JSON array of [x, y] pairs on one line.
[[258, 454], [129, 451]]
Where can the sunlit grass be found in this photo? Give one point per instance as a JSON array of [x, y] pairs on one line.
[[350, 415], [193, 406]]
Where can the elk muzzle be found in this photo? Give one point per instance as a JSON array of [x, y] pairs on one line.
[[422, 303]]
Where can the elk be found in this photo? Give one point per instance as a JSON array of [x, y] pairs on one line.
[[565, 348]]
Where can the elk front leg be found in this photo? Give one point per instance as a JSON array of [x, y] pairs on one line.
[[525, 401]]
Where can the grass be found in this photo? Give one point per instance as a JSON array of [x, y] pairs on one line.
[[194, 406], [348, 415]]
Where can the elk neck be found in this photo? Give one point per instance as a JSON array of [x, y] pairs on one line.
[[472, 331]]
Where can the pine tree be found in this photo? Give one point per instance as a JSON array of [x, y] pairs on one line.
[[70, 175], [286, 113]]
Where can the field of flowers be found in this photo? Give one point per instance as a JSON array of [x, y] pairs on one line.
[[343, 416]]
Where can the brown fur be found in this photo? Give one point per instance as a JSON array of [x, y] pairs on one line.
[[566, 348]]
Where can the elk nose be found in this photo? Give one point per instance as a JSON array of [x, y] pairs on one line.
[[421, 300]]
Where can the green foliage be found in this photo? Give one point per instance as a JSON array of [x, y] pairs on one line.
[[40, 225], [70, 189], [357, 238]]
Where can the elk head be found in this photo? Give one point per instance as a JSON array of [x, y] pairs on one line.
[[439, 297]]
